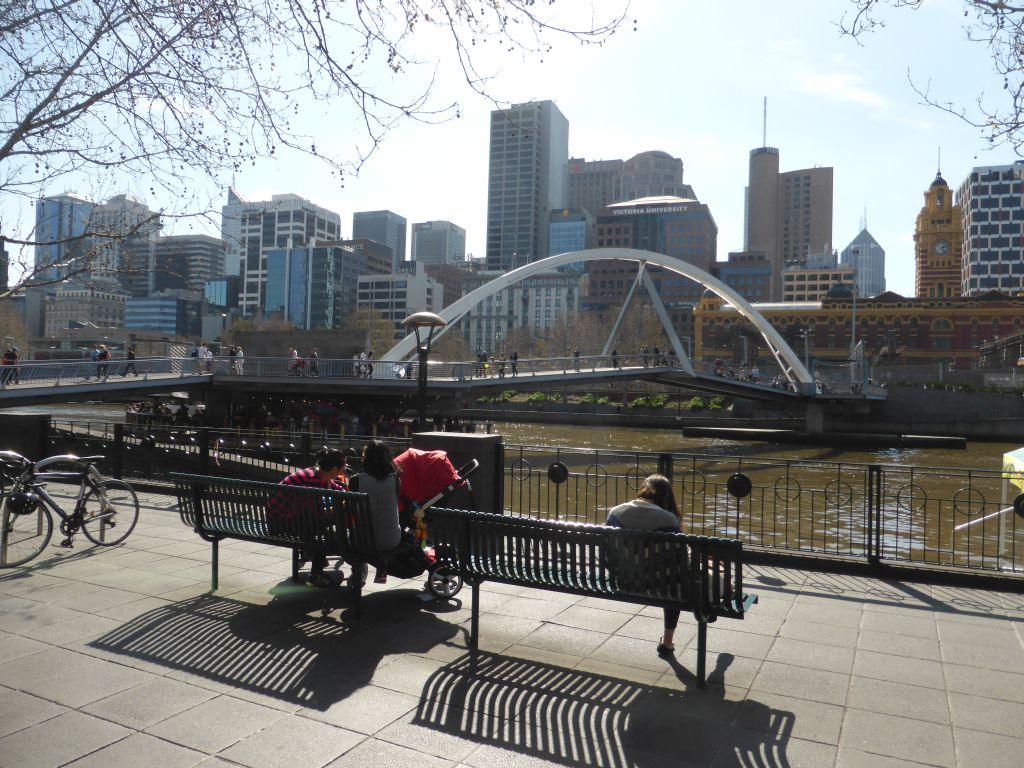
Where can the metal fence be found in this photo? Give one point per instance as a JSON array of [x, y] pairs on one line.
[[932, 516], [925, 515]]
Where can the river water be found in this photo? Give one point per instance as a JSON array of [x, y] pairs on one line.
[[979, 455]]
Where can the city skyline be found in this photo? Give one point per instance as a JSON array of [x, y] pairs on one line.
[[831, 102]]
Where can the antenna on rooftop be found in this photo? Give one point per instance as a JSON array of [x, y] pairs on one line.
[[764, 123], [938, 171]]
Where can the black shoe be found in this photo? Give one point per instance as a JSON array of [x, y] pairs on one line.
[[666, 651], [319, 580]]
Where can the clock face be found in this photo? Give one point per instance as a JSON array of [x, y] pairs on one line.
[[941, 247]]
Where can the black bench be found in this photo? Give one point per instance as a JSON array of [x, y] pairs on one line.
[[697, 574], [218, 508]]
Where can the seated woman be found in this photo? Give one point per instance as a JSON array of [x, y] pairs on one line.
[[328, 472], [653, 509], [400, 555]]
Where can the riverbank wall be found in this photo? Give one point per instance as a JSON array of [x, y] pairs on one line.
[[907, 411]]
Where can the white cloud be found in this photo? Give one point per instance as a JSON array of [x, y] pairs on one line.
[[843, 87]]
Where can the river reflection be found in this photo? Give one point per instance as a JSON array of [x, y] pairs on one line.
[[985, 456]]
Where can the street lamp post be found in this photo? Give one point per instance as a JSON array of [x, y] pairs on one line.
[[423, 324]]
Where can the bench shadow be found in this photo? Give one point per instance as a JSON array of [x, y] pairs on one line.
[[578, 718], [293, 648]]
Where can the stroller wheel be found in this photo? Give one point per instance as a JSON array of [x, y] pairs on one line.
[[358, 577], [443, 581]]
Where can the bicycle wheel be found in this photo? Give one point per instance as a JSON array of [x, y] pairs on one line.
[[23, 536], [109, 523]]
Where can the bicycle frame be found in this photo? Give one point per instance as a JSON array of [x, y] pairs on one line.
[[88, 479]]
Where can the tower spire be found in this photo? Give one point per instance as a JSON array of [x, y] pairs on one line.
[[764, 122]]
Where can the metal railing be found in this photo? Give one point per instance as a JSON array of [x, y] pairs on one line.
[[865, 511], [930, 516]]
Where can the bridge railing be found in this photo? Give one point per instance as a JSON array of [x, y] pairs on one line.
[[39, 373]]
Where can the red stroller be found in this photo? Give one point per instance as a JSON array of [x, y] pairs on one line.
[[428, 477]]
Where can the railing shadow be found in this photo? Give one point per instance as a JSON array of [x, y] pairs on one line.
[[578, 718], [291, 649]]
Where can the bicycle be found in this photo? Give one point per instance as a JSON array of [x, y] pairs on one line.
[[26, 509]]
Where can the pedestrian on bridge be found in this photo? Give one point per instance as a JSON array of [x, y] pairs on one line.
[[130, 365], [514, 359], [10, 372], [576, 358], [102, 362]]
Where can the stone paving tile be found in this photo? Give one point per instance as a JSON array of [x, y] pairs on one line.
[[855, 758], [215, 724], [89, 680], [821, 634], [58, 741], [960, 633], [899, 645], [17, 615], [984, 682], [900, 624], [723, 638], [17, 647], [750, 747], [722, 668], [898, 737], [21, 710], [799, 718], [553, 637], [447, 732], [900, 669], [374, 753], [137, 749], [520, 607], [81, 627], [590, 618], [291, 742], [628, 651], [891, 698], [984, 656], [977, 748], [984, 714], [148, 703], [828, 657], [797, 682], [367, 709]]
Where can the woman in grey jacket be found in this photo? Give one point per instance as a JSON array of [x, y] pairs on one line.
[[653, 509]]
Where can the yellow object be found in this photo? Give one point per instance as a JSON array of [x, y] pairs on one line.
[[1013, 469]]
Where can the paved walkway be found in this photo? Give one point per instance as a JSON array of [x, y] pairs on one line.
[[121, 658]]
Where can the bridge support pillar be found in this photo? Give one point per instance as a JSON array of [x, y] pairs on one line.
[[218, 405], [814, 418]]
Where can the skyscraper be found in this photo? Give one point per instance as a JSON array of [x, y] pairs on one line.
[[992, 204], [60, 219], [438, 242], [527, 178], [938, 243], [251, 229], [788, 215], [593, 184], [124, 245], [867, 258], [384, 227], [187, 261]]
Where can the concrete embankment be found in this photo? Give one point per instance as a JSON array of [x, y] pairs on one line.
[[922, 413]]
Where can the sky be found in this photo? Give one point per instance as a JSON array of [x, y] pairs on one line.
[[690, 80]]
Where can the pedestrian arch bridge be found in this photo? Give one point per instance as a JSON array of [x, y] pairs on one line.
[[45, 382], [787, 362]]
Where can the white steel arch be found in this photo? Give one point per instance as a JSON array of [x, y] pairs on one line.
[[789, 362]]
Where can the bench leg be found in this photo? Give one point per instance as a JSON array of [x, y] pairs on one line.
[[214, 561], [702, 650], [474, 621], [357, 596], [296, 563]]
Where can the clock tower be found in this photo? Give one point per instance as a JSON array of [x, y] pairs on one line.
[[938, 243]]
